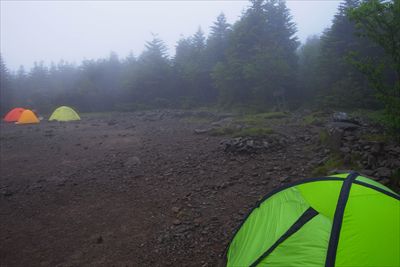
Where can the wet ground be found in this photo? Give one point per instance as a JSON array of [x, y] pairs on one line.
[[132, 189]]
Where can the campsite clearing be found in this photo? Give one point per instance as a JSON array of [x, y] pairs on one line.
[[136, 189]]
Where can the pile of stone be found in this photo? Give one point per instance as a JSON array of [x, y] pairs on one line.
[[377, 159], [250, 145]]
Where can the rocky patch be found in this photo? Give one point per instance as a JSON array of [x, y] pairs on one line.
[[376, 158], [249, 145]]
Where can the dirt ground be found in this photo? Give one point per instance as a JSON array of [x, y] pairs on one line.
[[131, 189]]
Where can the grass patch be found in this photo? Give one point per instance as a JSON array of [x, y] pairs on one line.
[[334, 162], [375, 137], [313, 118], [261, 117], [222, 131], [323, 137], [390, 123], [309, 119], [254, 132], [377, 116]]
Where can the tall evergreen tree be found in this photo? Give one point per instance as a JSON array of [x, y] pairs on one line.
[[199, 40], [261, 57], [341, 81], [218, 41], [152, 83], [193, 73]]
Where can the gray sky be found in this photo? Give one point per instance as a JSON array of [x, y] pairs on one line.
[[76, 30]]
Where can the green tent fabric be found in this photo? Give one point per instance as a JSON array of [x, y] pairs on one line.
[[64, 113], [342, 220]]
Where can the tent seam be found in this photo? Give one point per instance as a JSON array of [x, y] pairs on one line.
[[270, 194], [338, 219]]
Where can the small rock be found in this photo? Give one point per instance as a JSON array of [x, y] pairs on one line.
[[394, 150], [99, 240], [343, 125], [345, 150], [176, 222], [132, 161], [285, 179], [383, 172], [202, 131], [377, 148], [7, 193], [340, 116], [349, 138], [176, 209]]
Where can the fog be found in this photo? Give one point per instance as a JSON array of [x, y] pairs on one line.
[[53, 30]]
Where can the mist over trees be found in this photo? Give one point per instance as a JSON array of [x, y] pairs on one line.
[[257, 62], [6, 97]]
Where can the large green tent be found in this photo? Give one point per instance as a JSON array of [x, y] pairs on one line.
[[342, 220], [64, 113]]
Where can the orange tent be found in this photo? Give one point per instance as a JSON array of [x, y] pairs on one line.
[[13, 115], [27, 117]]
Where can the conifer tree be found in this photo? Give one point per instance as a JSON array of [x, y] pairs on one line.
[[217, 41], [153, 78], [261, 56], [341, 82]]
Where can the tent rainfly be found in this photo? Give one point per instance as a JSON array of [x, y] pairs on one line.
[[64, 113], [341, 220], [13, 115], [27, 117]]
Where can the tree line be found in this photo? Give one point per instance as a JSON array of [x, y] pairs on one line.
[[257, 62]]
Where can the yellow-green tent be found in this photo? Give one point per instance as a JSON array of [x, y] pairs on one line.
[[337, 221], [64, 113]]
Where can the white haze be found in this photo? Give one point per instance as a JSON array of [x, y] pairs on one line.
[[49, 31]]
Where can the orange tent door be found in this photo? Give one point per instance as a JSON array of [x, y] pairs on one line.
[[27, 117], [13, 115]]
